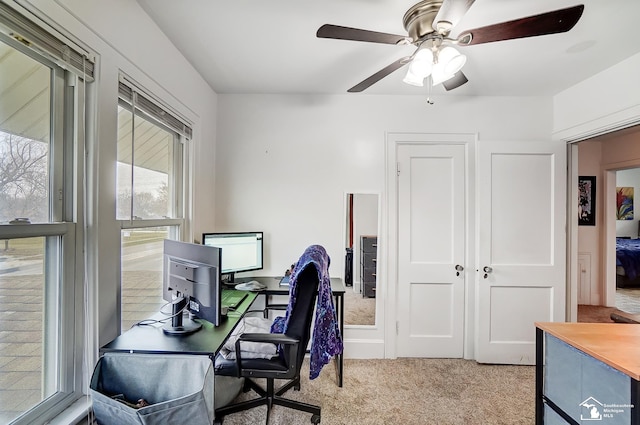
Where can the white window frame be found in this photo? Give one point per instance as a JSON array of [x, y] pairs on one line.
[[178, 225], [63, 324]]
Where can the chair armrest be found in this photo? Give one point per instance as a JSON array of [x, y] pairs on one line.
[[254, 311], [291, 345], [266, 337]]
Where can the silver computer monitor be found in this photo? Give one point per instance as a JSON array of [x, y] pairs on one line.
[[241, 251], [191, 281]]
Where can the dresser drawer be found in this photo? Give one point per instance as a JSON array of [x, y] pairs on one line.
[[368, 274], [368, 260], [369, 290], [369, 243]]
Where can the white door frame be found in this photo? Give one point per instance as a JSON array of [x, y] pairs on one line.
[[391, 218], [609, 227], [605, 219], [571, 138]]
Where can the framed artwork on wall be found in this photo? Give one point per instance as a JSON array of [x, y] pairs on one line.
[[624, 203], [587, 200]]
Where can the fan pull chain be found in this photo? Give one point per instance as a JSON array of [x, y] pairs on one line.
[[429, 87]]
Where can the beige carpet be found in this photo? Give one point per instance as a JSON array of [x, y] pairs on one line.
[[628, 300], [410, 391], [358, 310]]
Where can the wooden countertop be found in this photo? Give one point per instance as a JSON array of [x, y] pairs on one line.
[[616, 344]]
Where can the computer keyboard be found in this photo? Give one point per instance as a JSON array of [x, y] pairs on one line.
[[232, 299]]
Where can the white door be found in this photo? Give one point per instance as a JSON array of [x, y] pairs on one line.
[[431, 236], [521, 198]]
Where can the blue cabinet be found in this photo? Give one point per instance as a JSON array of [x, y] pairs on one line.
[[575, 387]]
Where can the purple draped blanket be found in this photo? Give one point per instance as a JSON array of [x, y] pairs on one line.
[[326, 340]]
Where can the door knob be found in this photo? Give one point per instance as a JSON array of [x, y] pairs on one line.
[[486, 270], [459, 268]]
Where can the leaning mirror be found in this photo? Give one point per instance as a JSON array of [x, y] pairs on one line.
[[361, 258]]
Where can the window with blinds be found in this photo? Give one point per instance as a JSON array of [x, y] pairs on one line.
[[144, 103], [63, 52], [40, 263], [152, 189]]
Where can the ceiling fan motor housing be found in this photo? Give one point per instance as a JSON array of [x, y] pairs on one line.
[[418, 21]]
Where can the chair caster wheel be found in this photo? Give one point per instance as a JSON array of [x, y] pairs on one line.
[[315, 419]]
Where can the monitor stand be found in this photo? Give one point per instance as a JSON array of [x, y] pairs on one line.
[[230, 279], [178, 326]]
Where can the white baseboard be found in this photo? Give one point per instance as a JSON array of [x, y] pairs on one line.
[[363, 349]]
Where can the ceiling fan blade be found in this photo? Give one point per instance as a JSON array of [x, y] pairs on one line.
[[546, 23], [453, 83], [452, 11], [368, 82], [355, 34]]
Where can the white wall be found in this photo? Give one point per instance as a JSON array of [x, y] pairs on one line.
[[604, 102], [589, 246], [125, 39], [285, 162], [629, 178]]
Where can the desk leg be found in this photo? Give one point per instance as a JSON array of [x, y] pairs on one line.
[[539, 376], [265, 312], [340, 357]]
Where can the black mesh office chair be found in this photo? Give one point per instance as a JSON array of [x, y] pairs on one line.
[[286, 365]]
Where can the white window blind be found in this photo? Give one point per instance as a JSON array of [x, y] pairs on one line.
[[27, 32], [152, 109]]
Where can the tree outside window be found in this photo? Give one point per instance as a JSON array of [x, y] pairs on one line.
[[23, 178]]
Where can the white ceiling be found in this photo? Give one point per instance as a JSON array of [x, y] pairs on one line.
[[258, 46]]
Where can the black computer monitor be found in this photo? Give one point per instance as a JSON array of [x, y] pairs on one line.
[[241, 251], [191, 280]]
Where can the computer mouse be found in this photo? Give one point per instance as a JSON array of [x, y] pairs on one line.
[[252, 285], [256, 286]]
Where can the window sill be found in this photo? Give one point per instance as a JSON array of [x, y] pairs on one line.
[[74, 413]]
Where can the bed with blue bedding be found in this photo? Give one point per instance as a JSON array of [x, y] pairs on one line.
[[627, 262]]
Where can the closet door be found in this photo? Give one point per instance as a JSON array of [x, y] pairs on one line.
[[431, 243], [521, 268]]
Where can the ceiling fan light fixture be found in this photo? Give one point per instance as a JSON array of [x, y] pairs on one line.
[[451, 60], [419, 68], [424, 54], [422, 63], [413, 79], [439, 75], [455, 64]]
